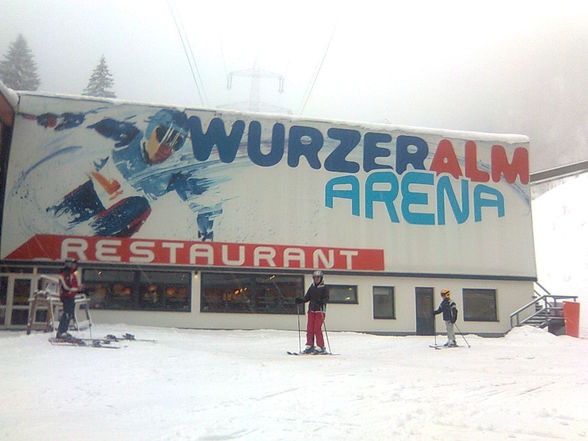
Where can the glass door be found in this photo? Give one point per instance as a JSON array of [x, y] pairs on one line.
[[15, 290], [425, 319]]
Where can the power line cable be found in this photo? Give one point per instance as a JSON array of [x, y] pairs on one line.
[[311, 87], [192, 70], [194, 63]]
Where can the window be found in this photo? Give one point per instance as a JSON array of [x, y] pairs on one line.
[[3, 290], [138, 289], [479, 305], [250, 293], [384, 302], [342, 294]]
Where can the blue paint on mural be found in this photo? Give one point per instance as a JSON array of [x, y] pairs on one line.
[[148, 160]]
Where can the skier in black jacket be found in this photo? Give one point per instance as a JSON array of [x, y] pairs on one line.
[[318, 297], [449, 310]]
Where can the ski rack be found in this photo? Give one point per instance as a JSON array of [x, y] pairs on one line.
[[48, 299]]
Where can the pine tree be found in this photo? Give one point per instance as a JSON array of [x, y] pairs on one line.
[[18, 69], [100, 82]]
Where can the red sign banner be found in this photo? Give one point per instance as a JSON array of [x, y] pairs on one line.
[[213, 254]]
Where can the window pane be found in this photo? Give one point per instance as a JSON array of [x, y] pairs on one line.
[[14, 269], [479, 305], [138, 289], [165, 290], [19, 317], [342, 293], [22, 290], [258, 293], [164, 277], [3, 290], [383, 302], [91, 275]]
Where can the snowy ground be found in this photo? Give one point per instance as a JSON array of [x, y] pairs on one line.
[[223, 385]]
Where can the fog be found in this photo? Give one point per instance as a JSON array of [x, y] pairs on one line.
[[501, 66]]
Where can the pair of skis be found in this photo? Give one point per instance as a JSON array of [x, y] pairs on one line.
[[439, 347], [104, 343], [310, 353], [83, 342]]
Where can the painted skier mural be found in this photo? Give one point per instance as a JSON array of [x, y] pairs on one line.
[[121, 182], [141, 159]]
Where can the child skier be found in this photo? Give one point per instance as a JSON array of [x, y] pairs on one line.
[[318, 296], [69, 288], [449, 310]]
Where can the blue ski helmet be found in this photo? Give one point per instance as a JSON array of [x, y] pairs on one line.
[[166, 133]]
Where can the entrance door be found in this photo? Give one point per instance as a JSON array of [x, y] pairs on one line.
[[15, 290], [425, 319]]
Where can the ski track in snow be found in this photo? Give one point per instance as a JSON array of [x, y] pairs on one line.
[[229, 385]]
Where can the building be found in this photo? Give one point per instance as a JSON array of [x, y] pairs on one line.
[[215, 219]]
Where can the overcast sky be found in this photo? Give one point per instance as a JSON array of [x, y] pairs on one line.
[[500, 66]]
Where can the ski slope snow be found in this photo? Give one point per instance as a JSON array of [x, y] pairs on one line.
[[241, 385], [228, 385]]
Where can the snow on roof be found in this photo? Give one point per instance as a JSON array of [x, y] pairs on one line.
[[446, 133], [10, 95]]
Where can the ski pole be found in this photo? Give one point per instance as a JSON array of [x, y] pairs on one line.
[[435, 328], [462, 336], [298, 317], [326, 333]]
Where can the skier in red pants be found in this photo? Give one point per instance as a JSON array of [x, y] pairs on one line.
[[318, 296]]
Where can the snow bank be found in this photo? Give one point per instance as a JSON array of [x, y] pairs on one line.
[[531, 335], [560, 221]]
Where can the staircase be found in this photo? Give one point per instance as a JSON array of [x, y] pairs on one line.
[[544, 311]]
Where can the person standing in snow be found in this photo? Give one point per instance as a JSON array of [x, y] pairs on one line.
[[69, 287], [318, 297], [449, 310]]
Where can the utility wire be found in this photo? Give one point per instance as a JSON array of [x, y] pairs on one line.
[[193, 69], [194, 63], [311, 87]]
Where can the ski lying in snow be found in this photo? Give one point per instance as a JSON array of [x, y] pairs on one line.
[[443, 346], [126, 337], [88, 343]]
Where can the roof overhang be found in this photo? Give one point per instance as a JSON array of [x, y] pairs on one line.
[[8, 103]]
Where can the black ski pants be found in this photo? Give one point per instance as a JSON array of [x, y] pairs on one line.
[[68, 314]]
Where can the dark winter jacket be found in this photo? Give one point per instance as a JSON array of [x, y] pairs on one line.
[[318, 297], [449, 310]]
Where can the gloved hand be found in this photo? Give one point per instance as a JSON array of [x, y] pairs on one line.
[[299, 300]]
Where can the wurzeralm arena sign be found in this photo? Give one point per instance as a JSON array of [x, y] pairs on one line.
[[119, 182]]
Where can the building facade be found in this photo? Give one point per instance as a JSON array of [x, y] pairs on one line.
[[215, 219]]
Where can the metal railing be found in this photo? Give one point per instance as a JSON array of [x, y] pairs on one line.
[[546, 308]]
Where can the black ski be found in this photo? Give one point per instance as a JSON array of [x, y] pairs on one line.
[[88, 343], [127, 337]]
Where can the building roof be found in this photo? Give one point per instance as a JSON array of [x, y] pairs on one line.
[[8, 103]]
